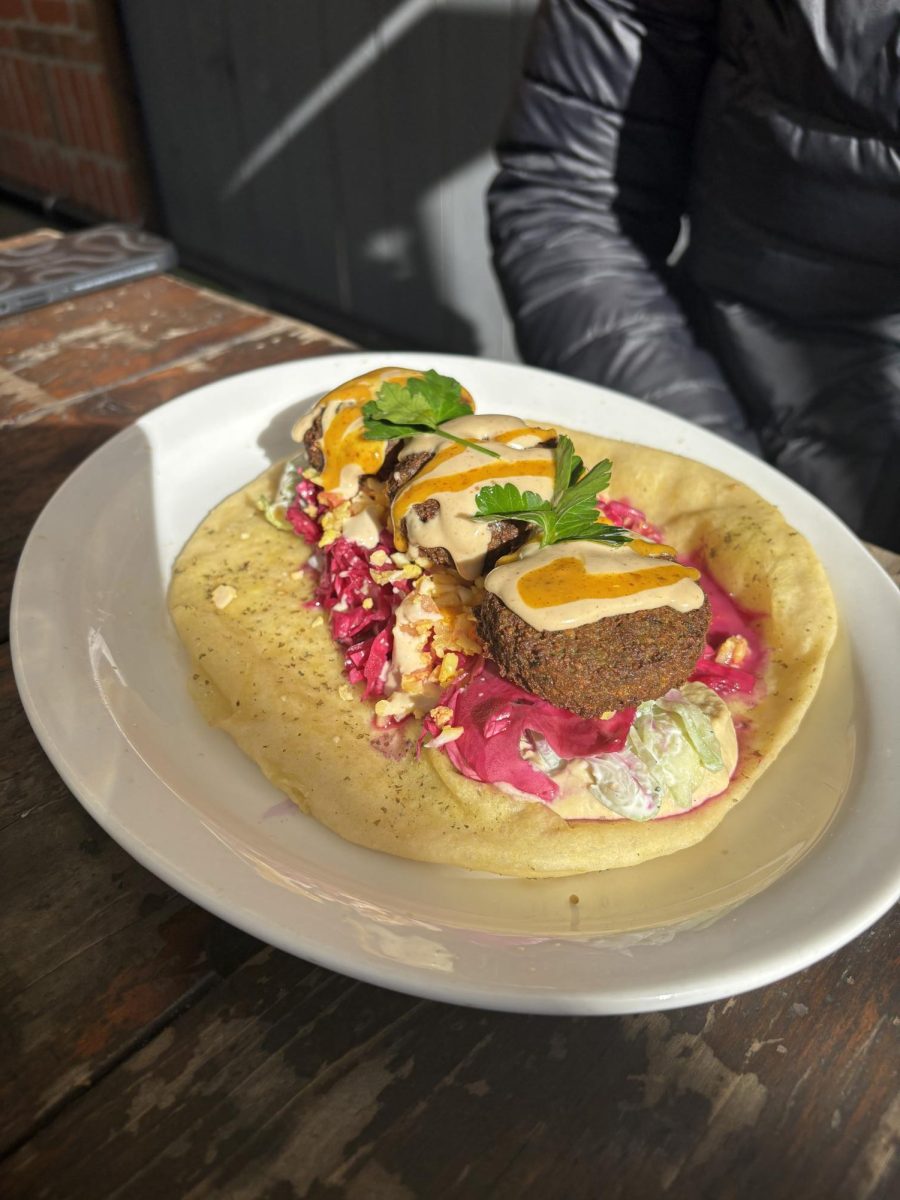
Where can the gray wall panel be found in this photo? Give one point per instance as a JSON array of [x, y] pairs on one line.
[[337, 149]]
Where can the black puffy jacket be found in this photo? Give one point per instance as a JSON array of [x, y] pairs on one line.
[[774, 125]]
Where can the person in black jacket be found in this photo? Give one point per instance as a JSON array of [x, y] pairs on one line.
[[774, 126]]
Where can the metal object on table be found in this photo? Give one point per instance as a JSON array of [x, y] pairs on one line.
[[48, 270]]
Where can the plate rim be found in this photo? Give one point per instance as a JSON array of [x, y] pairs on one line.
[[414, 980]]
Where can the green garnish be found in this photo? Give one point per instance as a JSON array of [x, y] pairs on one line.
[[274, 510], [418, 406], [571, 515]]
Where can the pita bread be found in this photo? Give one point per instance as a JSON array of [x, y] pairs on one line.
[[265, 670]]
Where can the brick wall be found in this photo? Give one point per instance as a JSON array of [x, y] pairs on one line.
[[67, 118]]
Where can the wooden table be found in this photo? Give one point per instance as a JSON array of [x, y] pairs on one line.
[[148, 1050]]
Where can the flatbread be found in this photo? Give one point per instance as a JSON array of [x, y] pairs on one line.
[[264, 669]]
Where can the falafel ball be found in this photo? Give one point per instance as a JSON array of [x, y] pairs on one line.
[[506, 536], [312, 440], [591, 669], [404, 468], [315, 454]]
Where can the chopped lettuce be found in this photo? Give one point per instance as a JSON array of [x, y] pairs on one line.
[[548, 760], [274, 510], [623, 784], [695, 725], [670, 745]]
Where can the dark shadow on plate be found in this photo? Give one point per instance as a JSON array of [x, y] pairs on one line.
[[275, 440]]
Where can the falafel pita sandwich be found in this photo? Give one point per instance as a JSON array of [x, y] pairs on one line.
[[515, 648]]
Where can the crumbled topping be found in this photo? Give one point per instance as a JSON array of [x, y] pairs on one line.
[[413, 682], [383, 577], [410, 571], [449, 734], [223, 595], [449, 668], [397, 706], [333, 522], [733, 651]]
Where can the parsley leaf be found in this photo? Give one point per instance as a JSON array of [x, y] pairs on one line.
[[418, 406], [568, 466], [504, 499], [572, 513], [504, 502]]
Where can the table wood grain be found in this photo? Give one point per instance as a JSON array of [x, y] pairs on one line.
[[149, 1050]]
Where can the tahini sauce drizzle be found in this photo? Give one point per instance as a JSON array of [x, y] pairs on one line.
[[348, 453], [576, 583], [456, 474], [495, 426]]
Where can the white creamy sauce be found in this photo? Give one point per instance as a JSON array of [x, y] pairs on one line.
[[576, 802], [303, 424], [364, 527], [348, 484], [347, 454], [351, 472], [684, 595], [475, 428]]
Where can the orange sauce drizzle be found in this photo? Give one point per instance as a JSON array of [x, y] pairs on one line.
[[565, 580], [343, 445], [510, 435], [422, 489], [650, 549]]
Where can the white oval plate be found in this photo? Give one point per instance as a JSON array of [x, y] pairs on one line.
[[806, 863]]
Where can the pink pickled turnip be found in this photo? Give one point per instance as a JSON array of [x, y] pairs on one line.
[[495, 715]]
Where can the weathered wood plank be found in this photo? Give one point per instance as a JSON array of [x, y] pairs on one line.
[[281, 1025], [95, 952], [45, 450], [77, 347], [291, 1082], [35, 461], [279, 341]]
